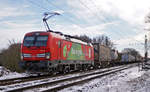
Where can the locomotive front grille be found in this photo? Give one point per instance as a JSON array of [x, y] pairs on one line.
[[40, 55], [26, 55]]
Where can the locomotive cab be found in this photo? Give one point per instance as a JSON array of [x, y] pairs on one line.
[[35, 51]]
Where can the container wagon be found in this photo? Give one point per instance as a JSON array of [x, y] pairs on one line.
[[102, 55], [127, 58], [114, 57]]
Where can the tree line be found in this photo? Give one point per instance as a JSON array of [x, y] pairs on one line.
[[10, 57], [103, 40]]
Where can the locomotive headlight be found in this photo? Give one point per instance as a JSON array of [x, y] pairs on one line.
[[47, 55]]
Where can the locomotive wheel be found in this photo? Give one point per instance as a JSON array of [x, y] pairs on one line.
[[67, 69], [84, 67], [54, 71], [50, 70]]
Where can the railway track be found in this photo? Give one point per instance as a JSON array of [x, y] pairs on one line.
[[75, 81], [57, 83], [22, 79], [29, 78]]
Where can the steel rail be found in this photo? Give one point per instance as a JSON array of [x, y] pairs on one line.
[[46, 82], [78, 81]]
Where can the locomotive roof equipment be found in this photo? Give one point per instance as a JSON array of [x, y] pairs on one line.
[[48, 15]]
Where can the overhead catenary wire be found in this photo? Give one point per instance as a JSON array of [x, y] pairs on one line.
[[38, 5], [62, 10], [104, 21], [93, 13], [55, 7], [58, 8], [122, 35], [66, 18], [106, 18]]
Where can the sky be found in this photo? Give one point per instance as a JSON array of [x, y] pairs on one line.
[[121, 20]]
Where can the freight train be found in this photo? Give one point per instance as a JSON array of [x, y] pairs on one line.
[[53, 52], [56, 52]]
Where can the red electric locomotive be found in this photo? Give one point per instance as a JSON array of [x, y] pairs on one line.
[[53, 51]]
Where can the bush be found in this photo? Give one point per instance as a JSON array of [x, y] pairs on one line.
[[10, 57]]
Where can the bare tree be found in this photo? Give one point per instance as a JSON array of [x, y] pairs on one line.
[[147, 22], [147, 18], [131, 51], [11, 56], [84, 38], [103, 40]]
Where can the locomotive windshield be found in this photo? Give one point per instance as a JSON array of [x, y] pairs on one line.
[[39, 40]]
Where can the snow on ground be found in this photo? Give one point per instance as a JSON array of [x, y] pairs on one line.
[[130, 80], [7, 74]]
